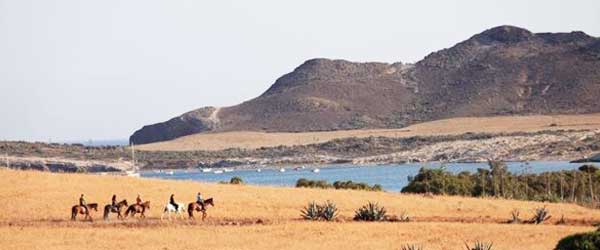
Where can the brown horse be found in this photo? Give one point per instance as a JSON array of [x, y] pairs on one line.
[[199, 208], [78, 209], [138, 208], [109, 208]]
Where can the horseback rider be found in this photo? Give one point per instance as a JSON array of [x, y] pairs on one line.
[[138, 200], [172, 202], [113, 202], [199, 200], [83, 203]]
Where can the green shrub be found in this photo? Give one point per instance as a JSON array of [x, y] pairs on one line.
[[560, 186], [236, 180], [312, 183], [582, 241], [337, 185], [370, 212]]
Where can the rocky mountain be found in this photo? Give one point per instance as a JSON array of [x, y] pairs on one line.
[[501, 71]]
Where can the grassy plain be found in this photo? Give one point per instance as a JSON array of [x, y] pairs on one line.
[[497, 124], [36, 208]]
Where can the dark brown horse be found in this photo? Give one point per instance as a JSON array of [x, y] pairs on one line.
[[138, 209], [199, 208], [78, 209], [117, 208]]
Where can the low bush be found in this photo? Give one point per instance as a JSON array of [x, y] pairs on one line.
[[583, 241], [370, 212], [312, 183], [302, 182], [236, 180]]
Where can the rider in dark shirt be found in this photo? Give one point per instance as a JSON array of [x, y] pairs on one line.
[[172, 202], [138, 200], [114, 200], [82, 202]]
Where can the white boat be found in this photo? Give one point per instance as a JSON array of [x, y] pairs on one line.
[[132, 173], [206, 170], [282, 170], [227, 170], [258, 170], [218, 171], [170, 172], [316, 170]]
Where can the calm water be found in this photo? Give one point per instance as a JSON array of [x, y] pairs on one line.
[[392, 177]]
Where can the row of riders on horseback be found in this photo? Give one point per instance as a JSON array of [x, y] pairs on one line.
[[140, 207]]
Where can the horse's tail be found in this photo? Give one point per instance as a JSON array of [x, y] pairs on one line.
[[129, 210], [106, 212], [73, 212], [191, 210]]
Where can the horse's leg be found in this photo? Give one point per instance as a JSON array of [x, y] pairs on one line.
[[203, 215]]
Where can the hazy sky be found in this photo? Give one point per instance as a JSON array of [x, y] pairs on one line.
[[77, 69]]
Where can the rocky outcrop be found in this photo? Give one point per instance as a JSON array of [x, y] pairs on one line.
[[501, 71]]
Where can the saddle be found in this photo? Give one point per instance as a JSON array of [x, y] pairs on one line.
[[114, 209]]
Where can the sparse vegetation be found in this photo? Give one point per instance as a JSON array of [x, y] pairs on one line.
[[479, 245], [326, 211], [412, 247], [370, 212], [302, 182], [541, 214], [515, 216]]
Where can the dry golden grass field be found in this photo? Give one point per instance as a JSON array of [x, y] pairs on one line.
[[247, 139], [36, 209]]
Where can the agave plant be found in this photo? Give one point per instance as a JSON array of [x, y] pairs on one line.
[[370, 212], [478, 245], [515, 216], [412, 247], [328, 211], [541, 214], [311, 211]]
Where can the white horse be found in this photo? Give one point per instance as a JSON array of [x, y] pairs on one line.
[[169, 208]]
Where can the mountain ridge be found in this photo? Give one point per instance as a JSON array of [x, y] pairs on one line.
[[500, 71]]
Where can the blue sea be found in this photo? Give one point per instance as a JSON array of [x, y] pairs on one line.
[[392, 177]]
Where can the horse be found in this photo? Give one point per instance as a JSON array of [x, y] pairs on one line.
[[109, 208], [138, 208], [194, 206], [169, 208], [78, 209]]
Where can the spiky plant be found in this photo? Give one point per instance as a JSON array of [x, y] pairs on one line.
[[478, 245], [328, 211], [515, 216], [370, 212], [541, 214], [412, 247], [311, 211]]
